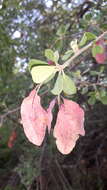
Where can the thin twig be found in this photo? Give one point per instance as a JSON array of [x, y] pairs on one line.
[[2, 117], [79, 52], [64, 181]]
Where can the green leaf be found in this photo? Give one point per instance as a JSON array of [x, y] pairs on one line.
[[104, 100], [36, 62], [94, 73], [77, 74], [49, 78], [96, 50], [97, 95], [92, 100], [91, 93], [102, 96], [103, 26], [84, 90], [88, 36], [62, 30], [83, 40], [56, 56], [88, 16], [49, 54], [41, 73], [101, 69], [67, 55], [59, 44], [68, 85], [74, 45], [58, 87], [103, 93]]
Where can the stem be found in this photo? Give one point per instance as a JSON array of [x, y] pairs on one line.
[[38, 87], [68, 62], [2, 117], [63, 179], [59, 99]]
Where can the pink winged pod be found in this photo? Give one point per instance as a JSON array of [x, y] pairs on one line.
[[101, 57], [69, 125], [35, 118]]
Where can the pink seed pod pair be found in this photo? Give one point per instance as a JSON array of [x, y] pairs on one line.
[[69, 124]]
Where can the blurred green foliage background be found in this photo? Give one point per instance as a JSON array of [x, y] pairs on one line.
[[27, 28]]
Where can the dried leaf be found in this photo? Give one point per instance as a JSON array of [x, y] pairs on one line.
[[34, 118], [69, 125]]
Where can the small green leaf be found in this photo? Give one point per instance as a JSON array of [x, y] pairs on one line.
[[94, 73], [88, 36], [58, 87], [88, 16], [62, 30], [102, 96], [96, 50], [97, 95], [49, 54], [70, 51], [59, 44], [91, 93], [67, 55], [83, 40], [92, 100], [77, 74], [103, 93], [84, 90], [101, 69], [68, 85], [104, 100], [56, 56], [103, 26], [74, 45], [36, 62]]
